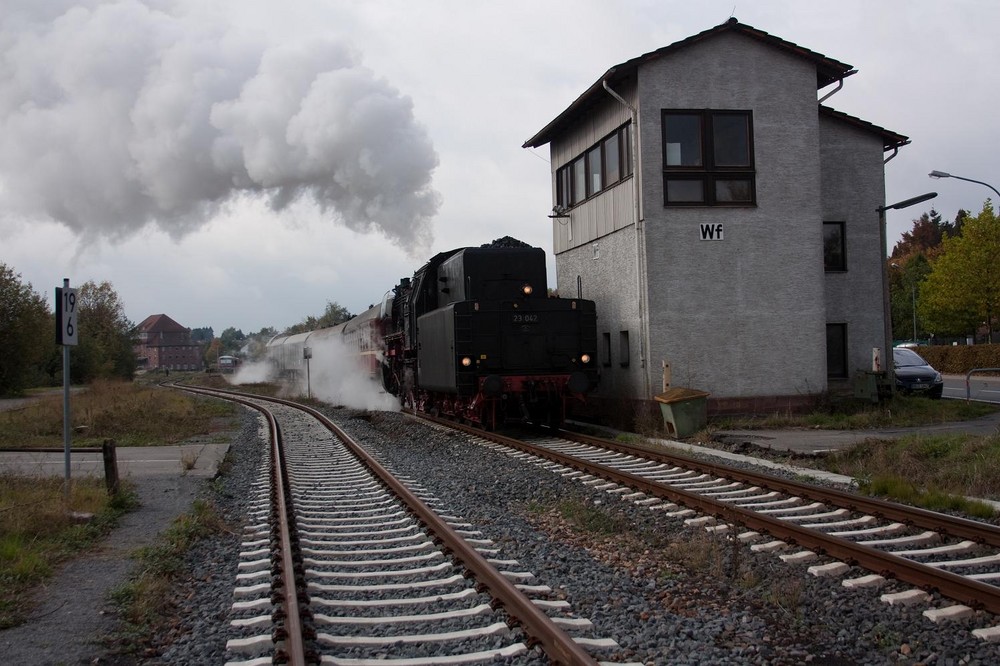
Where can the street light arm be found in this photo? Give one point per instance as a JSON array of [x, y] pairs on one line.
[[942, 174]]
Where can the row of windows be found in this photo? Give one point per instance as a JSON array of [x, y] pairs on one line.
[[623, 349], [836, 350], [708, 160], [598, 168]]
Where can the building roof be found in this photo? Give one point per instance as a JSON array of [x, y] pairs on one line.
[[160, 323], [828, 71], [890, 140]]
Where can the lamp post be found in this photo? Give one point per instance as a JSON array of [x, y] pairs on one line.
[[886, 318], [943, 174]]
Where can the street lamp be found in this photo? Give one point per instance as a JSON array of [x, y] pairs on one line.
[[886, 319], [942, 174]]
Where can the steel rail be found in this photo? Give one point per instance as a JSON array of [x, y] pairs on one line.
[[290, 639], [556, 643], [972, 593], [963, 528]]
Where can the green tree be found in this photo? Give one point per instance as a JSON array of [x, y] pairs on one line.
[[106, 335], [27, 333], [205, 334], [962, 292], [333, 315], [904, 286], [232, 340]]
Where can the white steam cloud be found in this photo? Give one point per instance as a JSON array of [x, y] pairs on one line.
[[118, 114], [336, 375]]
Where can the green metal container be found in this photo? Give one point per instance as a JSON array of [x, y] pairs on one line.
[[685, 410]]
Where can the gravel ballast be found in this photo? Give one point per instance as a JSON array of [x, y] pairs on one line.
[[668, 594]]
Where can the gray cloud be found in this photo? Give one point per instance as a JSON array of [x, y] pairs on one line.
[[116, 115]]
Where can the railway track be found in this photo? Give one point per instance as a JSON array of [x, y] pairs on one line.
[[344, 563], [933, 552]]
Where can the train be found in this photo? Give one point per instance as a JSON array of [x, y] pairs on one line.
[[473, 336]]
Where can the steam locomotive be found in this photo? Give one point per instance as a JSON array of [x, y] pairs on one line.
[[473, 336]]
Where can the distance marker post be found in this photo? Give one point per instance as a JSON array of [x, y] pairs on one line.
[[66, 335]]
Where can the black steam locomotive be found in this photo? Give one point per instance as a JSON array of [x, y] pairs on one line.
[[472, 336], [475, 336]]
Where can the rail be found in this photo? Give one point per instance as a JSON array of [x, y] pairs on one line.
[[557, 644], [968, 377], [972, 593]]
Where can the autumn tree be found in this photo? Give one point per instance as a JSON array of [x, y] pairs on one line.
[[106, 338], [27, 333], [962, 292], [923, 238]]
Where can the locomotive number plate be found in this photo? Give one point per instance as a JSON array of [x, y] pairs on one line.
[[525, 318]]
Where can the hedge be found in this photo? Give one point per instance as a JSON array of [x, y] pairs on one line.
[[958, 360]]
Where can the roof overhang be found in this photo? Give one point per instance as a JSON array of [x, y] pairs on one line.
[[828, 71]]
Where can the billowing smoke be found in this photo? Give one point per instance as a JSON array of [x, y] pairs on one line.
[[336, 374], [117, 114]]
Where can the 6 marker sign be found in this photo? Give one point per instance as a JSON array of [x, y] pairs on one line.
[[66, 323]]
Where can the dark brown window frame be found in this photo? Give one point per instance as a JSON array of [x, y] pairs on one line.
[[707, 173], [844, 352], [842, 266], [566, 180]]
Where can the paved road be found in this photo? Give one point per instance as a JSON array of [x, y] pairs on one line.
[[983, 388], [197, 460]]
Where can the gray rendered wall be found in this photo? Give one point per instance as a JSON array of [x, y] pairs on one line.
[[853, 187], [744, 316], [607, 270]]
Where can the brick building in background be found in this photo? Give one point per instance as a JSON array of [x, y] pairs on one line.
[[163, 343]]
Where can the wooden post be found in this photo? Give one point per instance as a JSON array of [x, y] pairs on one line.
[[110, 466]]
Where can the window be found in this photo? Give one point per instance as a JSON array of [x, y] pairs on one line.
[[623, 351], [606, 350], [834, 247], [836, 351], [602, 165], [579, 176], [708, 158]]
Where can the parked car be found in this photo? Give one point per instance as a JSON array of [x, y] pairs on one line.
[[914, 374]]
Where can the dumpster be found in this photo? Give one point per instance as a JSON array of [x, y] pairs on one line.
[[685, 410]]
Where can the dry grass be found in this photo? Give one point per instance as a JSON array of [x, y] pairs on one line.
[[132, 414], [936, 471], [148, 600], [37, 532]]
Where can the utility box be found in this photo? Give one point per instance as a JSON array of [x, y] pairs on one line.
[[871, 386], [685, 410]]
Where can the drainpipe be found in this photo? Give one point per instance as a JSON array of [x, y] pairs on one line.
[[640, 239], [840, 84]]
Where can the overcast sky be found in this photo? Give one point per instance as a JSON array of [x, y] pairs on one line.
[[233, 163]]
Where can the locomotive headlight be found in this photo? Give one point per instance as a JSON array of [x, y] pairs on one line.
[[585, 359], [466, 361], [527, 289]]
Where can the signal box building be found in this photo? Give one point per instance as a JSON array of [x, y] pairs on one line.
[[724, 220], [165, 344]]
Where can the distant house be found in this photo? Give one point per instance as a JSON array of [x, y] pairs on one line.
[[723, 219], [165, 344]]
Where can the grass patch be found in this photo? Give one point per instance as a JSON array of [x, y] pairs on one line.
[[933, 471], [147, 601], [850, 414], [131, 413], [589, 518], [37, 533]]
